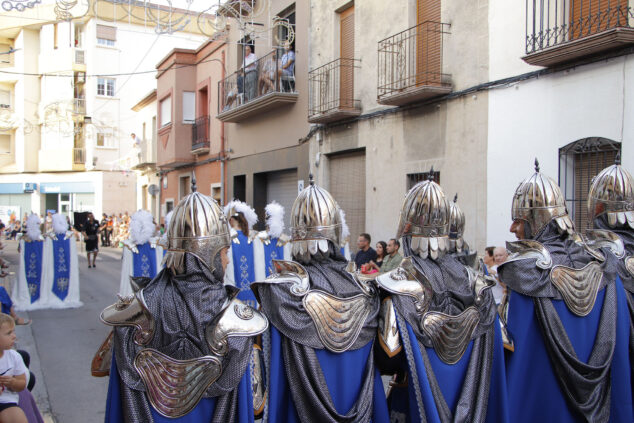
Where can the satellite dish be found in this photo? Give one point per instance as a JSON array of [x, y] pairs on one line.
[[153, 189]]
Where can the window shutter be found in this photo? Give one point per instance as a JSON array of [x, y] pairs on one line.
[[428, 42], [107, 32], [588, 17], [189, 107], [346, 81]]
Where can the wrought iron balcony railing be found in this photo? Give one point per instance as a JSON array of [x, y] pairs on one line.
[[79, 156], [79, 106], [200, 133], [410, 64], [557, 23], [331, 91], [264, 76]]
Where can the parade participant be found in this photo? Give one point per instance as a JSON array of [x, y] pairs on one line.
[[30, 292], [271, 244], [458, 247], [142, 255], [567, 315], [438, 321], [61, 269], [241, 269], [91, 238], [611, 209], [319, 358], [183, 343]]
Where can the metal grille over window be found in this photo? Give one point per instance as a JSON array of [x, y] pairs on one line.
[[579, 163]]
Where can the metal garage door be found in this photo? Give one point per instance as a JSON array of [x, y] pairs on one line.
[[347, 185], [281, 186]]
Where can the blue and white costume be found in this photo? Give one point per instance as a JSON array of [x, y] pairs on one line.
[[271, 244], [29, 291]]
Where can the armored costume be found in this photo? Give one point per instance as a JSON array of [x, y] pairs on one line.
[[318, 351], [241, 269], [438, 321], [272, 243], [458, 247], [183, 344], [611, 208], [567, 316]]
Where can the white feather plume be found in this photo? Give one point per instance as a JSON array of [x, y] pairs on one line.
[[237, 206], [275, 219], [168, 219], [33, 230], [60, 225], [345, 230], [142, 227]]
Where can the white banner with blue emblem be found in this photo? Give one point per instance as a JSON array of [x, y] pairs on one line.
[[61, 276], [265, 251], [147, 263]]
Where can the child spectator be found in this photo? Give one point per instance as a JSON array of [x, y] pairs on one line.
[[12, 373]]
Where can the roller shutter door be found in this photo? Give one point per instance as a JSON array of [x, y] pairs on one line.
[[281, 186], [347, 185]]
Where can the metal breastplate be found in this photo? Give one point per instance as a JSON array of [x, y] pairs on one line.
[[578, 287], [388, 335], [338, 321], [131, 311]]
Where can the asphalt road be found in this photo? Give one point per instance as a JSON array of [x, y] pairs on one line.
[[66, 340]]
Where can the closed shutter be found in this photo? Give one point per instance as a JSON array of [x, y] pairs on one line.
[[281, 186], [107, 32], [346, 81], [347, 186], [588, 17], [428, 43], [587, 166]]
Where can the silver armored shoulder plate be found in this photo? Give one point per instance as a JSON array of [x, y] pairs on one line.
[[629, 264], [407, 280], [599, 238], [338, 320], [131, 311], [479, 282], [365, 282], [503, 312], [528, 249], [236, 319], [450, 335], [389, 337], [258, 380], [290, 272], [174, 387], [578, 287]]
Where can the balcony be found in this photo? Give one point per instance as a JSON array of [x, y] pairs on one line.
[[79, 106], [263, 87], [331, 92], [200, 135], [62, 160], [560, 31], [410, 65], [145, 155], [79, 156]]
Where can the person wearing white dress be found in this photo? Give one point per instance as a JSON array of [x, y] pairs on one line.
[[142, 253], [27, 291]]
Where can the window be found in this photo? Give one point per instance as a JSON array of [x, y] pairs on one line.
[[105, 138], [5, 144], [414, 178], [106, 35], [287, 19], [189, 107], [166, 111], [105, 87]]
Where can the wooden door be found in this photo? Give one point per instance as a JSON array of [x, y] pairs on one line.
[[428, 43], [588, 17], [346, 54]]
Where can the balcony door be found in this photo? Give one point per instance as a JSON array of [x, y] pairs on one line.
[[428, 43], [346, 54], [589, 17]]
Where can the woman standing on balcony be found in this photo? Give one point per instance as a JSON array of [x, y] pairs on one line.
[[251, 74]]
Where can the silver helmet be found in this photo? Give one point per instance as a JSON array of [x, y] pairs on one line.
[[537, 201], [199, 227], [612, 193], [425, 217], [315, 220], [456, 226]]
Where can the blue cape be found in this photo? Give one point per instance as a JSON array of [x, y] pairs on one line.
[[533, 389], [203, 412], [344, 373], [244, 268], [272, 252], [144, 262], [450, 378], [33, 268], [61, 267]]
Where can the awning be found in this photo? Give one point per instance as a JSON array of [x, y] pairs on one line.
[[66, 187]]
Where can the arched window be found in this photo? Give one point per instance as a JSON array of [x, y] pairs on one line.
[[579, 162]]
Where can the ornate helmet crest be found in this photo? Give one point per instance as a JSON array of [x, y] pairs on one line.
[[425, 217], [612, 193], [199, 227], [315, 220], [274, 219], [538, 200], [456, 226]]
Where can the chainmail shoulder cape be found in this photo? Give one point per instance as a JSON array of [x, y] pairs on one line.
[[586, 386], [286, 312], [627, 236], [182, 307], [452, 294]]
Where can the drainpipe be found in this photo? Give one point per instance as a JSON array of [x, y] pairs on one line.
[[223, 156]]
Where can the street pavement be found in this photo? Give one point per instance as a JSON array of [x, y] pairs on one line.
[[63, 342]]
